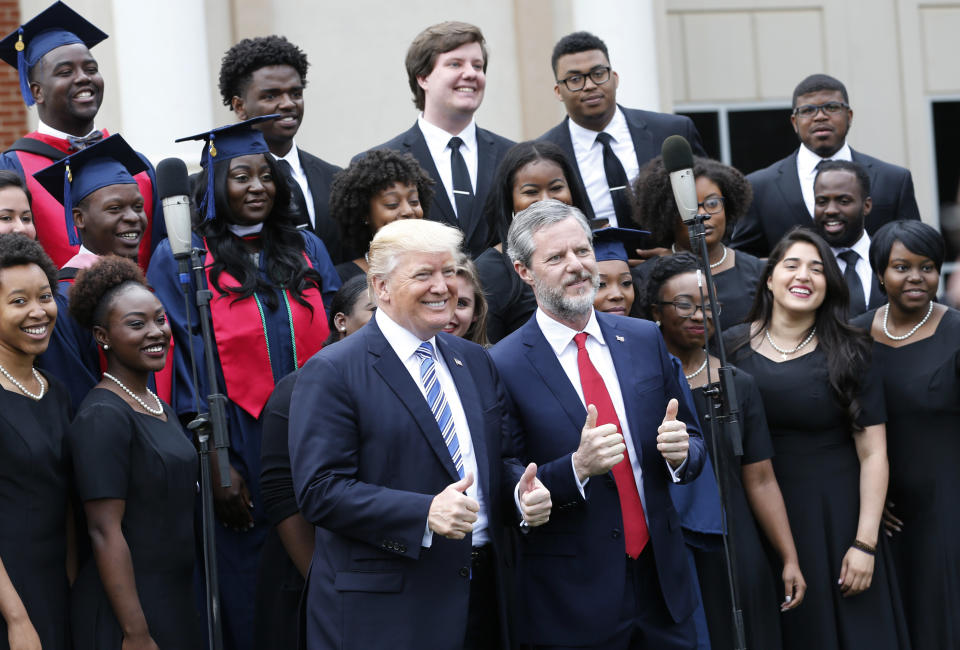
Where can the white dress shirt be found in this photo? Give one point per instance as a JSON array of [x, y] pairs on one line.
[[589, 154], [807, 162], [862, 248], [438, 142], [560, 339], [46, 129], [405, 344], [293, 158]]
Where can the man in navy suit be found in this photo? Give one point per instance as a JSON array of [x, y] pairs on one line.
[[587, 86], [267, 75], [603, 416], [446, 69], [397, 459], [783, 192]]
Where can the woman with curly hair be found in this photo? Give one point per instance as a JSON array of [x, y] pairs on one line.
[[825, 408], [724, 194], [136, 477], [270, 284], [376, 189], [35, 412]]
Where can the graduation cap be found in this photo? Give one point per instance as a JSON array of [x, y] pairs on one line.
[[613, 243], [224, 143], [72, 179], [55, 26]]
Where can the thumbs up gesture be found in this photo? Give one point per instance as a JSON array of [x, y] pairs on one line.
[[535, 503], [452, 513], [600, 447], [673, 441]]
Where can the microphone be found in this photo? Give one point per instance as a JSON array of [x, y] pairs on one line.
[[173, 185], [678, 161]]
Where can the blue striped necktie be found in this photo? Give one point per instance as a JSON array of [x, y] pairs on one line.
[[438, 403]]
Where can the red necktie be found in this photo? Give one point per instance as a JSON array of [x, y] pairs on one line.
[[635, 531]]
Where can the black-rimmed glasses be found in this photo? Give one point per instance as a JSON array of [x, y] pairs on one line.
[[829, 108], [686, 309], [576, 82], [712, 205]]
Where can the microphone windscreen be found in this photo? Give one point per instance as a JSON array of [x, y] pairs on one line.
[[676, 153], [172, 178]]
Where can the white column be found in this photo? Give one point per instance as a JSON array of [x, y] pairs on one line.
[[163, 76], [628, 27]]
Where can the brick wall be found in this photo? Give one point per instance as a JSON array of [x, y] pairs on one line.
[[13, 113]]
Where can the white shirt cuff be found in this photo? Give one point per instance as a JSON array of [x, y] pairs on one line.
[[675, 473]]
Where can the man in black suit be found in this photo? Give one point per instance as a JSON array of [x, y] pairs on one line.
[[446, 69], [783, 192], [606, 143], [266, 75], [842, 204]]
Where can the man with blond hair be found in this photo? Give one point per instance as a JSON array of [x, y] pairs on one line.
[[396, 453]]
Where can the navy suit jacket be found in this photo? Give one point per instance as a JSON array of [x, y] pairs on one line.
[[648, 130], [572, 570], [490, 151], [778, 202], [367, 459]]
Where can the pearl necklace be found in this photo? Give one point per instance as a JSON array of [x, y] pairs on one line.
[[700, 369], [23, 389], [886, 313], [784, 353], [157, 411], [673, 249]]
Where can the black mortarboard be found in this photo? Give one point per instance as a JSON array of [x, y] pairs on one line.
[[55, 26]]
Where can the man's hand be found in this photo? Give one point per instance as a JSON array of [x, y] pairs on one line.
[[452, 512], [535, 503], [673, 441], [600, 447]]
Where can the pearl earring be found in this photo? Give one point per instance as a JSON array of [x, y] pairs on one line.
[[106, 347]]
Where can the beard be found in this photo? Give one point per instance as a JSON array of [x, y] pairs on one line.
[[844, 239], [567, 308]]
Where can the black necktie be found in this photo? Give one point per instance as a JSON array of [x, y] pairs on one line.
[[78, 144], [298, 204], [858, 303], [617, 181], [462, 188]]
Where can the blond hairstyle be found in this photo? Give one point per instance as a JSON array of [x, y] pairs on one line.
[[408, 236]]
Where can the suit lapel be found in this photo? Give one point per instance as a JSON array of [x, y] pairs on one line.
[[394, 374], [643, 146], [566, 143], [417, 145], [623, 363], [788, 184], [467, 390], [545, 363], [486, 165]]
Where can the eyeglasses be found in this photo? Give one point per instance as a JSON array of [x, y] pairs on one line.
[[830, 108], [713, 205], [576, 82], [686, 309]]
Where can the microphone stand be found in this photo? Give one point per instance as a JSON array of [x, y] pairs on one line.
[[202, 426], [722, 398]]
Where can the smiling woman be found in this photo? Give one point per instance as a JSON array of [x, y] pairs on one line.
[[136, 477], [15, 213], [33, 492], [270, 285]]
